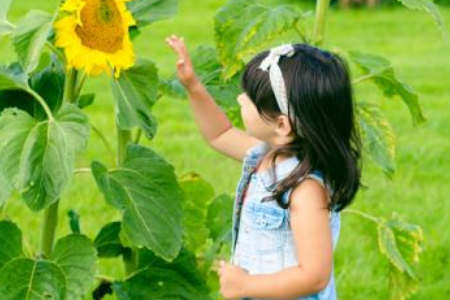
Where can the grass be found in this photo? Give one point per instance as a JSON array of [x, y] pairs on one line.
[[418, 191]]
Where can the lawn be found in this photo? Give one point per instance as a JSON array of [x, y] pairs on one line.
[[418, 191]]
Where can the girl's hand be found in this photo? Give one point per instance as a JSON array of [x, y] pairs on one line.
[[232, 280], [185, 69]]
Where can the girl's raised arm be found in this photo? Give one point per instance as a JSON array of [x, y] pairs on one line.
[[214, 125]]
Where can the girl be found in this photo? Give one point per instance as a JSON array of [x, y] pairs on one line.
[[301, 155]]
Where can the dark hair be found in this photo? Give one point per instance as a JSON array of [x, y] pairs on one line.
[[319, 91]]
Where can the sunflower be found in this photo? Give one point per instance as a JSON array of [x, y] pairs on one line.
[[95, 35]]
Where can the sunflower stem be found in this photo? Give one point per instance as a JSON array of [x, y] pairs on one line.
[[130, 259], [320, 21], [363, 78], [80, 85], [51, 213], [49, 229], [124, 137], [70, 89], [362, 214], [138, 136]]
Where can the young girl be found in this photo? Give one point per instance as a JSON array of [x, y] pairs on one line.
[[301, 154]]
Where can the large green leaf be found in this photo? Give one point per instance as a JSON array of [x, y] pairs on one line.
[[198, 194], [5, 189], [76, 256], [135, 93], [5, 26], [10, 242], [208, 68], [158, 279], [108, 241], [10, 79], [17, 93], [243, 26], [30, 37], [378, 136], [380, 70], [429, 7], [185, 264], [26, 279], [400, 242], [37, 158], [52, 75], [146, 189], [146, 12], [218, 222], [219, 217]]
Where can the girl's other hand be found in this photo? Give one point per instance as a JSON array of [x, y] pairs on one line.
[[233, 281], [185, 69]]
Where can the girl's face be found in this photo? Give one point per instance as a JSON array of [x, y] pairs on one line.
[[254, 124]]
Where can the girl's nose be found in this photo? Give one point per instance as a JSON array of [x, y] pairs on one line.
[[239, 99]]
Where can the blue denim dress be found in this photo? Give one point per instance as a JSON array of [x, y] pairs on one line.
[[262, 241]]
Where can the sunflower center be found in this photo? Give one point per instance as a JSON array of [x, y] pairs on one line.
[[102, 27]]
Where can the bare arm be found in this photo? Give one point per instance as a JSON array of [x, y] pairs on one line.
[[312, 236], [213, 123]]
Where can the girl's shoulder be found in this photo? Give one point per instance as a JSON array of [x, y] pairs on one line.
[[316, 175]]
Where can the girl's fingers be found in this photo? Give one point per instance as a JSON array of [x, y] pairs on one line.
[[179, 46]]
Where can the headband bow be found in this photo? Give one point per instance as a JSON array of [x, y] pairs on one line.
[[270, 63]]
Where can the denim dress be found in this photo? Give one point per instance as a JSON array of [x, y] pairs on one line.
[[262, 241]]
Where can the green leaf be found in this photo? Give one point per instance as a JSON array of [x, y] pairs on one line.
[[378, 136], [158, 279], [135, 93], [10, 242], [243, 26], [185, 264], [38, 158], [400, 242], [429, 7], [214, 250], [17, 93], [198, 194], [146, 189], [74, 221], [380, 71], [108, 241], [146, 12], [219, 217], [11, 80], [76, 256], [5, 188], [5, 26], [53, 75], [86, 100], [75, 125], [30, 37], [26, 279]]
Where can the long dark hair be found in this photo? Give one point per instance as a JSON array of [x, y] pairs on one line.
[[326, 138]]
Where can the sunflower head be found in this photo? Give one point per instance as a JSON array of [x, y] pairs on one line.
[[95, 35]]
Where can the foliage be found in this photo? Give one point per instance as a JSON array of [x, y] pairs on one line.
[[172, 228]]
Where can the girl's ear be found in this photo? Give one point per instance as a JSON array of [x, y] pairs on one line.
[[283, 126]]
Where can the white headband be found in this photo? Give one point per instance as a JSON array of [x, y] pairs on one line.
[[270, 63]]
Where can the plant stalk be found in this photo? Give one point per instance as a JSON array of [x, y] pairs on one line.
[[124, 137], [49, 229], [70, 89], [51, 213], [320, 21]]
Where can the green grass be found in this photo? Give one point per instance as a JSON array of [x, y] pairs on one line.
[[418, 191]]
